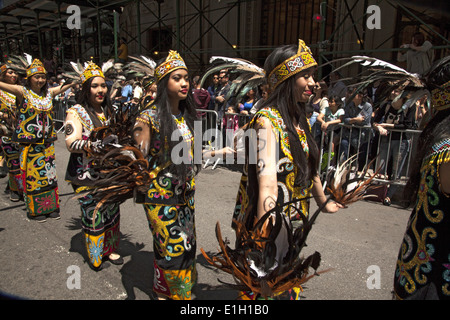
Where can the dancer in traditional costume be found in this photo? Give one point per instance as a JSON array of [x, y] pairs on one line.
[[423, 266], [169, 199], [35, 133], [283, 132], [8, 116], [101, 230]]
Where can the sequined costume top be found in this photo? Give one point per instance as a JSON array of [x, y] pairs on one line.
[[247, 198], [7, 106], [78, 167], [7, 101], [423, 265], [34, 119], [166, 189]]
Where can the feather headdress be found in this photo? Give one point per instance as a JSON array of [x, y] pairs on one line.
[[387, 74], [82, 72], [21, 63], [141, 66], [248, 75]]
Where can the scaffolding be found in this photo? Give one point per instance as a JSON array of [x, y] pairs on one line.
[[40, 28]]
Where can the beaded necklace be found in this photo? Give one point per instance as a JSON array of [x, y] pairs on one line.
[[38, 102], [7, 99]]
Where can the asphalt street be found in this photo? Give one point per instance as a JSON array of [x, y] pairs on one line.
[[45, 261]]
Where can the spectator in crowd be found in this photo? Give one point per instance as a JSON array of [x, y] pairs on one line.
[[357, 112], [122, 51], [337, 87], [318, 103], [419, 54], [265, 91], [394, 146], [213, 89], [248, 102], [122, 90], [230, 123], [49, 65], [201, 98], [138, 91], [421, 110], [221, 95], [328, 120]]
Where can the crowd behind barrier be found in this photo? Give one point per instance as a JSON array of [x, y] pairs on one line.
[[214, 131], [391, 152]]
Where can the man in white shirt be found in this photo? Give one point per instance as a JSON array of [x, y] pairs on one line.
[[419, 55]]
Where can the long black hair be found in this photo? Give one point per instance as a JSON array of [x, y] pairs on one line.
[[437, 129], [168, 124], [283, 98], [82, 97]]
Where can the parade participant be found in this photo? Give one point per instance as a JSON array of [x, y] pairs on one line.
[[10, 150], [149, 87], [422, 268], [282, 129], [169, 200], [100, 230], [35, 133]]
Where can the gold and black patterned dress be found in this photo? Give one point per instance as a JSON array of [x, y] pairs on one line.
[[423, 266], [169, 206], [10, 149], [35, 133], [247, 197]]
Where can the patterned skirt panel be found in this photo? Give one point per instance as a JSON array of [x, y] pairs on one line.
[[101, 231], [11, 152], [174, 241], [38, 170]]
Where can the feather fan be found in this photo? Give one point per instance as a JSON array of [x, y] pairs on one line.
[[140, 66], [266, 259], [375, 70], [248, 75]]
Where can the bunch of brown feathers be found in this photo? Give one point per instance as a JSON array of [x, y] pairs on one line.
[[119, 168], [259, 264]]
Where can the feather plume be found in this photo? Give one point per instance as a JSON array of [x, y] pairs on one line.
[[248, 75], [140, 66], [107, 66], [28, 58], [375, 70], [266, 259]]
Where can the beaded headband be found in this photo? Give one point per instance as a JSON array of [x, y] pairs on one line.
[[35, 67], [92, 70], [301, 61], [173, 62], [5, 66], [440, 97]]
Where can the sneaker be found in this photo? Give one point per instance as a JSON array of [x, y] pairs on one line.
[[55, 215], [14, 196], [39, 219]]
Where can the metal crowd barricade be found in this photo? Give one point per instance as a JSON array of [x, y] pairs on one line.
[[214, 129], [59, 112], [383, 148]]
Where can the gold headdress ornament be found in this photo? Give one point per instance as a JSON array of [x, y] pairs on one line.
[[91, 70], [5, 66], [173, 62], [35, 68], [440, 97], [301, 61]]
